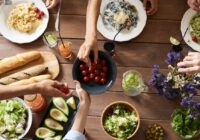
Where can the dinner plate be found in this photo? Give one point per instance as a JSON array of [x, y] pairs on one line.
[[16, 36], [124, 35], [185, 23]]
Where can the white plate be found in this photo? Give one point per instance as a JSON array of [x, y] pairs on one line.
[[123, 35], [185, 22], [18, 37], [29, 121]]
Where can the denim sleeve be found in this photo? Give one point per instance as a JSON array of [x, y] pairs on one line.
[[74, 135]]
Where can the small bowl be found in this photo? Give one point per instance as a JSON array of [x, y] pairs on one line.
[[29, 120], [92, 87], [129, 107]]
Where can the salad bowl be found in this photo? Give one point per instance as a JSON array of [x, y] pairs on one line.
[[109, 110]]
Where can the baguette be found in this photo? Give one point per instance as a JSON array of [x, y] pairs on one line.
[[25, 74], [18, 60], [32, 80]]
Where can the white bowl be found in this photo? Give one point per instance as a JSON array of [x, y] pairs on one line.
[[29, 121], [124, 35]]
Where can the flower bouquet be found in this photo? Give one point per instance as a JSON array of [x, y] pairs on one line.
[[175, 84]]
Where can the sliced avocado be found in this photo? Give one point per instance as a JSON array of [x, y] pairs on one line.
[[71, 102], [44, 132], [61, 105], [59, 137], [53, 124], [58, 115]]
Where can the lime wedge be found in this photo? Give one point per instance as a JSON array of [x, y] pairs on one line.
[[174, 41]]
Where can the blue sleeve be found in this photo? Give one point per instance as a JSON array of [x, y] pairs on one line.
[[74, 135]]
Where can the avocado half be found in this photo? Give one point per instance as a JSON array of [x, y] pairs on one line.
[[59, 137], [44, 132], [50, 123], [71, 102], [61, 105], [58, 115]]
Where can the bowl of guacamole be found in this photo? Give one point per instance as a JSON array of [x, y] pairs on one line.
[[120, 120]]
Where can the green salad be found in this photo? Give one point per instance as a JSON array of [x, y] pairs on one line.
[[183, 125], [121, 122], [13, 118], [195, 24]]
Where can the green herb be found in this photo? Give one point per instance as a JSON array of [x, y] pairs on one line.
[[184, 125]]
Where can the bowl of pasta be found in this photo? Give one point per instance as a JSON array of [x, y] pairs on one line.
[[23, 21]]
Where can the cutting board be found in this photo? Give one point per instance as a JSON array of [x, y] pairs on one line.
[[47, 59]]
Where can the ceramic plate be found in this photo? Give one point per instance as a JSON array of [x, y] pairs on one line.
[[185, 23], [18, 37], [124, 35]]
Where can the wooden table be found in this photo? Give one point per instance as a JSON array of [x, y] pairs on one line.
[[139, 54]]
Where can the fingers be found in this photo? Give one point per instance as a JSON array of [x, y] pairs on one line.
[[52, 3], [186, 64], [96, 56], [189, 69], [153, 7], [194, 4]]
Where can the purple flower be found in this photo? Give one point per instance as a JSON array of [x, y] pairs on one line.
[[173, 57]]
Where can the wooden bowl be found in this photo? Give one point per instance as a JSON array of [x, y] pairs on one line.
[[129, 107]]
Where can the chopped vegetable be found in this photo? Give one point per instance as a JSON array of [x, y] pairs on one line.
[[195, 28], [13, 118], [121, 122], [183, 125]]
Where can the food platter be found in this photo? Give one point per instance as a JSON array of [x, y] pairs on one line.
[[20, 37], [124, 35], [185, 23]]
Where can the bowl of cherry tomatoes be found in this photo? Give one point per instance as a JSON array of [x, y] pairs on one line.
[[97, 78]]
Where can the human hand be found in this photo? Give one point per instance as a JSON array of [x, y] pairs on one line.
[[151, 6], [194, 4], [86, 47], [82, 94], [53, 88], [191, 63], [51, 3]]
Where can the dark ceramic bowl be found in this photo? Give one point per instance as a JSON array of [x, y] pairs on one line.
[[92, 87]]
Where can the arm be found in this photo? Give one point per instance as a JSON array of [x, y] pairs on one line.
[[48, 88], [151, 6], [78, 127], [91, 32]]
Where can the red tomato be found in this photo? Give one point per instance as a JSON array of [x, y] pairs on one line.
[[92, 76], [103, 74], [91, 70], [194, 38], [105, 69], [36, 10], [96, 72], [84, 72], [97, 79], [42, 13], [39, 16], [103, 80], [85, 78], [82, 67], [98, 66]]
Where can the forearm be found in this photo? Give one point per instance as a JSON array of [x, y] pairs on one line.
[[7, 92], [81, 118], [92, 17]]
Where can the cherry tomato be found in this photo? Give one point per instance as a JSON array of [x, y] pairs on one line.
[[36, 10], [42, 13], [39, 16], [97, 79], [103, 74], [91, 70], [86, 79], [92, 76], [105, 69], [103, 62], [103, 80], [98, 61], [96, 72], [84, 72], [82, 67], [98, 66], [194, 38]]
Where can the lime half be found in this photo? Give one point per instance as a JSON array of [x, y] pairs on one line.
[[174, 41]]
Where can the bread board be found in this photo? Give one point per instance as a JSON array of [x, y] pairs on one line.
[[48, 59]]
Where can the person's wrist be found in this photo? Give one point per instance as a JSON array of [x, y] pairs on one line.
[[90, 37], [85, 104]]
